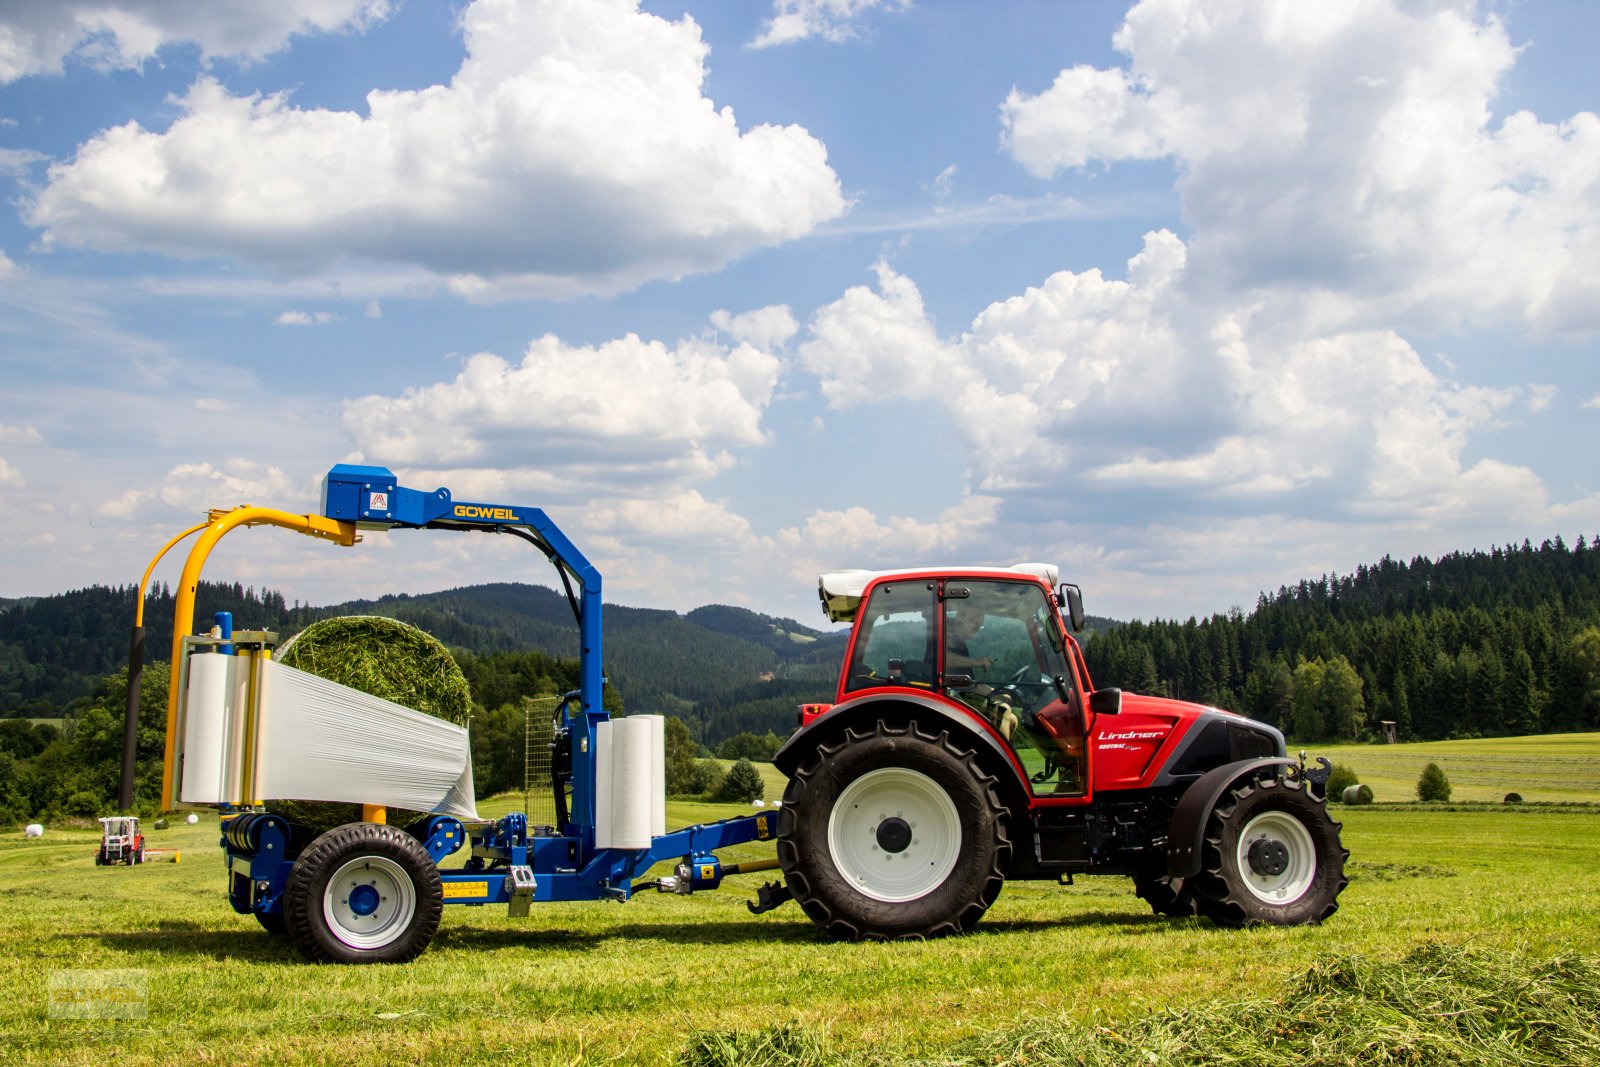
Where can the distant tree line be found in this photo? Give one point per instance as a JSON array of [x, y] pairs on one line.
[[1474, 644]]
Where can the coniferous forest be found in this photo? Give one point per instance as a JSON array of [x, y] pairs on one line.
[[1472, 644]]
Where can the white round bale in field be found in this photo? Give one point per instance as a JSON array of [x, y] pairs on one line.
[[33, 829], [192, 819]]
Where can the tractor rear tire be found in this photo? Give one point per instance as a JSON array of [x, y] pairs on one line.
[[896, 834], [363, 893], [1272, 854], [1165, 896]]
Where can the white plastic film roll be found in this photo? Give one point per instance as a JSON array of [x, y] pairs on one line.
[[206, 714], [658, 773], [625, 812]]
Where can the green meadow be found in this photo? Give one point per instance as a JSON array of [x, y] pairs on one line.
[[1547, 768], [1478, 901]]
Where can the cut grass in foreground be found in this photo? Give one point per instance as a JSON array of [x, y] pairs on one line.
[[1439, 1005], [636, 983]]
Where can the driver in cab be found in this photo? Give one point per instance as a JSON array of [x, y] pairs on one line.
[[961, 624], [963, 619]]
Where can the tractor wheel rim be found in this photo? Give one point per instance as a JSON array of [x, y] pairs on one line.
[[894, 834], [369, 902], [1299, 856]]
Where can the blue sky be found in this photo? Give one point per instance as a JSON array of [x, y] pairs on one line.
[[1191, 298]]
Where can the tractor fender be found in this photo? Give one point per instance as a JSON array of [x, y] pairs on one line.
[[869, 709], [1186, 833]]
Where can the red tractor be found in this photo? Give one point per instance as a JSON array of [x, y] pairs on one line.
[[967, 746], [121, 841]]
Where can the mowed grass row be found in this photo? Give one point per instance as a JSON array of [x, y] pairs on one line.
[[643, 981], [1549, 768]]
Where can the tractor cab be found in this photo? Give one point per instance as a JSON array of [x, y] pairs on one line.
[[991, 641]]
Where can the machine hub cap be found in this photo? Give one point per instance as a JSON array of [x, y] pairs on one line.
[[1268, 857], [894, 834], [369, 902], [1277, 858]]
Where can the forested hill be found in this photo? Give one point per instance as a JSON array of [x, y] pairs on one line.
[[54, 650], [1506, 641], [1499, 642]]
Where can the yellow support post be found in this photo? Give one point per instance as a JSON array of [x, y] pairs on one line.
[[374, 813], [219, 524]]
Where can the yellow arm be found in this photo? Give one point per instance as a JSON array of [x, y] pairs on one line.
[[220, 523]]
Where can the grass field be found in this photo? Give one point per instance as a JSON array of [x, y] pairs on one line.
[[1555, 768], [643, 981]]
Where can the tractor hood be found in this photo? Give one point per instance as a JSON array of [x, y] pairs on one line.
[[1176, 709], [1158, 741]]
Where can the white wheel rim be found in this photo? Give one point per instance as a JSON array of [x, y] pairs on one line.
[[1300, 868], [369, 902], [875, 809]]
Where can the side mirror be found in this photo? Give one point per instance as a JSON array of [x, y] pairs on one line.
[[1106, 701], [1071, 597]]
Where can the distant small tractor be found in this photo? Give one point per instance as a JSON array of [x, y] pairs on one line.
[[966, 745], [121, 841]]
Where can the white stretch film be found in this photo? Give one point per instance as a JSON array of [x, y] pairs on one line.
[[323, 741], [207, 710], [630, 782], [658, 773], [317, 740]]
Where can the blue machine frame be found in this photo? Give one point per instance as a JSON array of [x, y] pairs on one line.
[[507, 864]]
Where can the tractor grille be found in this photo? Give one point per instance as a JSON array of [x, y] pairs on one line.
[[1245, 743]]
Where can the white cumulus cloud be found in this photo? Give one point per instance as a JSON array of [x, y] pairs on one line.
[[1344, 147], [198, 487], [574, 422], [305, 318], [1087, 392], [765, 328], [831, 20], [573, 152], [36, 36], [19, 435]]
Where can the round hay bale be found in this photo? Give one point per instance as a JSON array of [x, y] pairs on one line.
[[33, 829], [388, 659], [1358, 794]]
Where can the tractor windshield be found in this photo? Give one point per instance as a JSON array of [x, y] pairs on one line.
[[894, 641], [1005, 658]]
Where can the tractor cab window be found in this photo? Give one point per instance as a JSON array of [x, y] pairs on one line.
[[1004, 657], [895, 638]]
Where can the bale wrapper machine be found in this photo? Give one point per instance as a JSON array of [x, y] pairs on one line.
[[242, 728]]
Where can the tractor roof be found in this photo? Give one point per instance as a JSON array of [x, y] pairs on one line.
[[841, 591]]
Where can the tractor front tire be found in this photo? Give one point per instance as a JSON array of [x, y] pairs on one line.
[[363, 893], [893, 834], [1272, 854]]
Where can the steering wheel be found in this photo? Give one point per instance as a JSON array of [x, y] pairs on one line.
[[1020, 675]]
